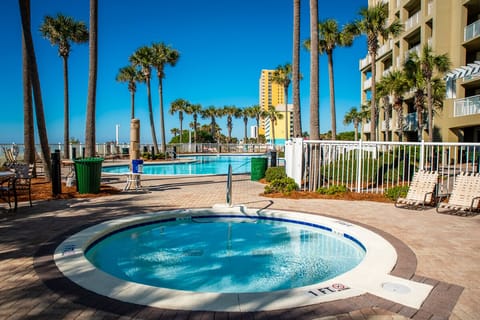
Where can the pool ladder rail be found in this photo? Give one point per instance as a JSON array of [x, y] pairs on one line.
[[229, 186]]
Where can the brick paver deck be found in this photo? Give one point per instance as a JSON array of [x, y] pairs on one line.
[[441, 250]]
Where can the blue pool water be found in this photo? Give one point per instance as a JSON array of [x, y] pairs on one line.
[[213, 164], [226, 254]]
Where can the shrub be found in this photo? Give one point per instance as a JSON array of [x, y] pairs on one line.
[[283, 185], [395, 192], [332, 190], [274, 173]]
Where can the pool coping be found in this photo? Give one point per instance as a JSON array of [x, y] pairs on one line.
[[372, 275], [440, 302]]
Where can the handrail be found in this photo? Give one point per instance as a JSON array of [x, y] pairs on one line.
[[229, 186]]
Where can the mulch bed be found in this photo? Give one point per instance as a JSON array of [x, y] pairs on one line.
[[42, 190]]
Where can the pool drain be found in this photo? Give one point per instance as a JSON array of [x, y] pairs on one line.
[[395, 287]]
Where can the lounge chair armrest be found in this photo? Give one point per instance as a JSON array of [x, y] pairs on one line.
[[473, 201]]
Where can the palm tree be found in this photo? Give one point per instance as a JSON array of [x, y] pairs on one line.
[[28, 126], [194, 110], [162, 55], [258, 113], [314, 73], [246, 113], [62, 31], [143, 58], [131, 75], [231, 112], [297, 118], [180, 106], [395, 84], [422, 68], [211, 112], [384, 91], [273, 115], [329, 38], [175, 131], [282, 76], [355, 117], [374, 25], [24, 6], [92, 80]]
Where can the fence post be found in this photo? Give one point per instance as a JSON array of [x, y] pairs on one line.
[[422, 155], [359, 165]]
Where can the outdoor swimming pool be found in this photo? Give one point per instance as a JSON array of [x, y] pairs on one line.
[[199, 165]]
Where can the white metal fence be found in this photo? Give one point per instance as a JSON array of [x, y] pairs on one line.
[[366, 166]]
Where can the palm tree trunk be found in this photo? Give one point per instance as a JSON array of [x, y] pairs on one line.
[[132, 103], [92, 81], [355, 126], [162, 116], [245, 122], [258, 128], [195, 129], [28, 128], [24, 6], [333, 115], [150, 113], [314, 82], [430, 111], [297, 123], [373, 102], [66, 112], [181, 126]]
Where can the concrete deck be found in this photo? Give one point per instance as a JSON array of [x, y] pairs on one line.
[[441, 250]]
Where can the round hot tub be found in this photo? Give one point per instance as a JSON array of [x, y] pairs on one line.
[[225, 259]]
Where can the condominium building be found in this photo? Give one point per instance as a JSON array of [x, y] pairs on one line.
[[272, 94], [449, 27]]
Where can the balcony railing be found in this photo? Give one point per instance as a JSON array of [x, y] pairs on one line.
[[410, 51], [429, 7], [471, 31], [412, 21], [367, 83], [365, 62], [467, 106], [385, 48]]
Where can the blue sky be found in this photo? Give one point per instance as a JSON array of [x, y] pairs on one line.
[[223, 47]]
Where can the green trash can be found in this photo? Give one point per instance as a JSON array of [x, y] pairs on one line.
[[258, 166], [88, 172]]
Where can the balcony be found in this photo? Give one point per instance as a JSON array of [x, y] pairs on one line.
[[429, 7], [366, 127], [365, 62], [410, 51], [390, 125], [387, 71], [471, 31], [387, 47], [367, 83], [466, 106], [412, 22]]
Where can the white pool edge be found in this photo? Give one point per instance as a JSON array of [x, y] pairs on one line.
[[370, 276]]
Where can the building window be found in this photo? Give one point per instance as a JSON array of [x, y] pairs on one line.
[[451, 92]]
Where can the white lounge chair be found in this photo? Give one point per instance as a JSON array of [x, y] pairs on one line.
[[465, 195], [420, 192]]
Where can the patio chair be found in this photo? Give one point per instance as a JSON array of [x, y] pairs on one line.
[[10, 159], [23, 179], [7, 190], [465, 195], [420, 192]]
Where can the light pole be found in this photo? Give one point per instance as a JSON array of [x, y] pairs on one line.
[[116, 134]]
